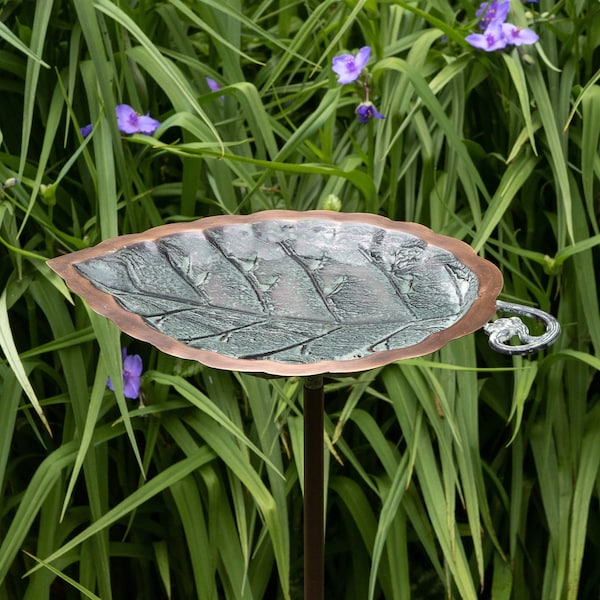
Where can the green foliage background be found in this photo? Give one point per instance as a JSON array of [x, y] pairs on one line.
[[465, 473]]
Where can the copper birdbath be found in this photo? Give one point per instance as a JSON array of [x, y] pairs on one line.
[[288, 293]]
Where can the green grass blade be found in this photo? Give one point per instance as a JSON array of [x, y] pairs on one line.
[[171, 475], [590, 131], [43, 11], [87, 433], [7, 344], [211, 431], [108, 337], [389, 512], [207, 406], [8, 36], [513, 179], [589, 465], [188, 502], [87, 593], [555, 145], [41, 484]]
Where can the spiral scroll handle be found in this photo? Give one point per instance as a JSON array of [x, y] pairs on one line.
[[502, 330]]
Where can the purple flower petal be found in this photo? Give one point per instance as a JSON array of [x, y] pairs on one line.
[[147, 125], [348, 67], [127, 119], [518, 37], [491, 39], [362, 57], [132, 365], [131, 387], [212, 84], [345, 68], [86, 130]]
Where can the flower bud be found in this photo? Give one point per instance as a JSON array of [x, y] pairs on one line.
[[331, 202], [48, 194]]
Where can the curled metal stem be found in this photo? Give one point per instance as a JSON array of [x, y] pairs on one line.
[[501, 331]]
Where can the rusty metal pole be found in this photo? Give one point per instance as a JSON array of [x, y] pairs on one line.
[[314, 531]]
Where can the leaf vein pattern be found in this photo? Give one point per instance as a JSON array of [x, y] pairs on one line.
[[327, 302]]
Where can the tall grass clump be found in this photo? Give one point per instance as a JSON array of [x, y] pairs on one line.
[[463, 474]]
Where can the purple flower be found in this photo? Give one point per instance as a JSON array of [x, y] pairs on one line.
[[348, 67], [494, 11], [366, 110], [130, 121], [499, 35], [132, 371], [212, 84], [491, 39], [518, 37]]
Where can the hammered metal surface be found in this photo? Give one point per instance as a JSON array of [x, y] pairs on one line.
[[293, 292], [296, 291]]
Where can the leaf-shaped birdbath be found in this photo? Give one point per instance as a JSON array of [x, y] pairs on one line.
[[297, 293], [288, 293]]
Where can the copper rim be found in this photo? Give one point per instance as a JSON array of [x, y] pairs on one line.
[[482, 309]]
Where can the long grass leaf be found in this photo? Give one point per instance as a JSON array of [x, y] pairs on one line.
[[389, 510], [95, 404], [590, 137], [557, 157], [8, 36], [513, 179], [161, 482], [11, 353], [515, 68], [427, 97], [357, 178], [9, 405], [589, 464], [40, 485], [208, 407], [238, 463], [43, 11], [108, 337], [188, 502], [87, 593]]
